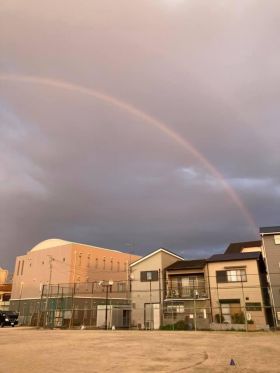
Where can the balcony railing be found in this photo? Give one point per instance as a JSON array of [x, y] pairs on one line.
[[186, 292]]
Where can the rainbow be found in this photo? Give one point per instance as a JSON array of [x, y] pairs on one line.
[[156, 123]]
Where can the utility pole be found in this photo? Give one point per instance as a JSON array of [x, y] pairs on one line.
[[49, 288]]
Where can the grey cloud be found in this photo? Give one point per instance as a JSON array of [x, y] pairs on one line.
[[81, 169]]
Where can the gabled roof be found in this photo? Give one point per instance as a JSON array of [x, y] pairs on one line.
[[236, 247], [235, 256], [187, 264], [161, 249], [269, 230]]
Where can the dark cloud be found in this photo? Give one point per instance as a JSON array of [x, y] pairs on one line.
[[81, 169]]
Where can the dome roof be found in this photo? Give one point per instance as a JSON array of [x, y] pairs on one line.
[[53, 242]]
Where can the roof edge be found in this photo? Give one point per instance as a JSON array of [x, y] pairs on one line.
[[161, 249]]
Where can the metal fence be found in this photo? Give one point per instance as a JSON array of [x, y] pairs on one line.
[[102, 305]]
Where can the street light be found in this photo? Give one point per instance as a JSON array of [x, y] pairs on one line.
[[107, 286], [195, 296]]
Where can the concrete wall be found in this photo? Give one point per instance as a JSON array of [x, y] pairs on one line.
[[251, 291]]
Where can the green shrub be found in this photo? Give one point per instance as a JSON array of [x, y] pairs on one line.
[[219, 318]]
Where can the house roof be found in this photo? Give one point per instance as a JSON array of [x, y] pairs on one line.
[[234, 256], [269, 230], [236, 247], [161, 249], [187, 264]]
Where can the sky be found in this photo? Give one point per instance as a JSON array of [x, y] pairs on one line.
[[138, 124]]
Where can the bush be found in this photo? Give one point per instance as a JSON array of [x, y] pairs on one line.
[[238, 318], [219, 318], [179, 325]]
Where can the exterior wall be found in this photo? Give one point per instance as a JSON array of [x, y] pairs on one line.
[[271, 252], [249, 291], [71, 263], [3, 276], [33, 270], [91, 263], [146, 293]]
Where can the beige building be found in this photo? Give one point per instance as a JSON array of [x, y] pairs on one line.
[[148, 288], [68, 284], [239, 290], [3, 276], [63, 262]]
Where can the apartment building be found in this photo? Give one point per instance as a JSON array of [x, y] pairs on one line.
[[270, 238]]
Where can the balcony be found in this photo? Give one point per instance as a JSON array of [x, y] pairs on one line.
[[186, 292]]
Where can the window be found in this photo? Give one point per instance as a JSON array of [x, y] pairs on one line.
[[111, 264], [235, 275], [22, 267], [18, 267], [277, 239], [175, 308], [148, 276], [121, 287], [104, 262], [118, 266], [256, 306], [96, 263]]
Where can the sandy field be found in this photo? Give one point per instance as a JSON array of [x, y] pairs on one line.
[[32, 350]]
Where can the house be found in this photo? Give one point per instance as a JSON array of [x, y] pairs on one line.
[[148, 288], [239, 289], [187, 295]]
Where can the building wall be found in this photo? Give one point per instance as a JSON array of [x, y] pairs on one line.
[[250, 292], [70, 263], [91, 263], [3, 276], [271, 254], [149, 292]]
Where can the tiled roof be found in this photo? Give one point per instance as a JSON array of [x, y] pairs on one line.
[[267, 230], [187, 264], [236, 247], [235, 256]]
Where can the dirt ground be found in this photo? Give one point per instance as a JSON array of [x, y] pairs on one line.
[[39, 351]]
